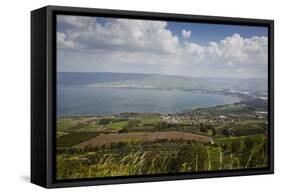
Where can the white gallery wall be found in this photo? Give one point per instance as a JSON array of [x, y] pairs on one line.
[[15, 95]]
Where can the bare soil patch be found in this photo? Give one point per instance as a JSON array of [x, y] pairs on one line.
[[106, 139]]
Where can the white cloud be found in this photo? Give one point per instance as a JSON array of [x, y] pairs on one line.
[[132, 35], [233, 50], [186, 34], [76, 21], [62, 42], [123, 45]]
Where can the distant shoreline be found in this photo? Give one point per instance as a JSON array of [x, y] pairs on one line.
[[153, 74]]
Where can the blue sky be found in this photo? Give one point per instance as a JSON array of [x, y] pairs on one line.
[[93, 44], [204, 33]]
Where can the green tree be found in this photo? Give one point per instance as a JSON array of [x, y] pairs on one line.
[[226, 132], [203, 128], [133, 123], [214, 132]]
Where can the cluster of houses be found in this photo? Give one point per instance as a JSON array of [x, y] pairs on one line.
[[175, 119], [171, 119]]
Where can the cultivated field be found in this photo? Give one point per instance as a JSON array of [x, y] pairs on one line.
[[107, 139]]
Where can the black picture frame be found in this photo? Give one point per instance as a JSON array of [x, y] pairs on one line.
[[43, 94]]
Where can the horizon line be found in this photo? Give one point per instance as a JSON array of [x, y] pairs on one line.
[[162, 74]]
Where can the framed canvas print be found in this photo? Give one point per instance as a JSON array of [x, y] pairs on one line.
[[125, 96]]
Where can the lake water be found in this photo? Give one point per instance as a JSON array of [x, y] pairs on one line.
[[77, 101]]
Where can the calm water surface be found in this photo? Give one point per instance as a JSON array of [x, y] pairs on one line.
[[76, 101]]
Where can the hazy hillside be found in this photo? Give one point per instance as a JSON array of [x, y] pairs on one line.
[[133, 80]]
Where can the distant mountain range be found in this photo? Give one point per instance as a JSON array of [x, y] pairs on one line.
[[157, 81]]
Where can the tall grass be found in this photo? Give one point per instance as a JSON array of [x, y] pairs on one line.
[[156, 158]]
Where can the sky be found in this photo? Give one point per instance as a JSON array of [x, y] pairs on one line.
[[95, 44]]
